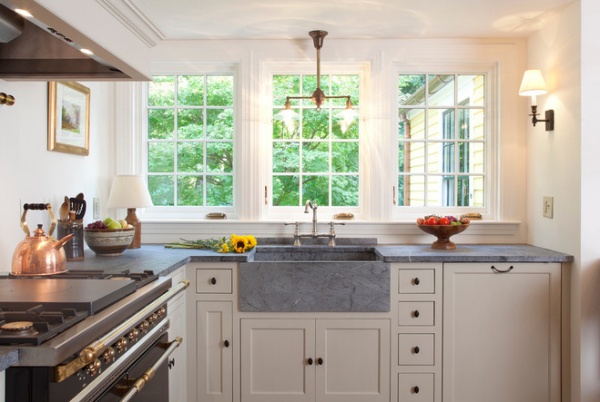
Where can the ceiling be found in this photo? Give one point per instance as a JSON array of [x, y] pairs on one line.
[[343, 19]]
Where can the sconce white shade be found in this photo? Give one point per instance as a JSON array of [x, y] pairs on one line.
[[129, 191], [533, 84]]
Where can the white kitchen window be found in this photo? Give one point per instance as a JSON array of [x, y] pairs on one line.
[[315, 153], [190, 141], [442, 141]]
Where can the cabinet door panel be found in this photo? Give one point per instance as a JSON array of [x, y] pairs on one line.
[[214, 355], [356, 360], [502, 333], [274, 360]]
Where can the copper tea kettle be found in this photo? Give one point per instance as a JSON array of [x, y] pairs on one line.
[[39, 254]]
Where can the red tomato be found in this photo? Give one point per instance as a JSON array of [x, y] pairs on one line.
[[420, 221], [432, 220], [444, 221]]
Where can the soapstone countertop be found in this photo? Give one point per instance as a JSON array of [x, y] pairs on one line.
[[165, 260]]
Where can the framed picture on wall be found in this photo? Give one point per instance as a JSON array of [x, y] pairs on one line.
[[68, 118]]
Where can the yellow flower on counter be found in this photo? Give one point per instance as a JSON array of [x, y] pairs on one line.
[[241, 244], [238, 244]]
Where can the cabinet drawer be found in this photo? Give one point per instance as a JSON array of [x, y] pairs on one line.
[[214, 280], [416, 349], [415, 387], [416, 313], [416, 281]]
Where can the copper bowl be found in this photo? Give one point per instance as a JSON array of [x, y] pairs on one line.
[[443, 234], [108, 242]]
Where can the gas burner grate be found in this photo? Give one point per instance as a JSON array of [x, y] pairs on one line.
[[43, 324]]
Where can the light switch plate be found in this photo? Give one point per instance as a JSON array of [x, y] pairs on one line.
[[548, 211], [96, 208]]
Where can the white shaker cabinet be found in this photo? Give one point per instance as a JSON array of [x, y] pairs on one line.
[[210, 330], [323, 360], [502, 329], [417, 333]]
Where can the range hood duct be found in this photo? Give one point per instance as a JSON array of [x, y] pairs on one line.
[[32, 52]]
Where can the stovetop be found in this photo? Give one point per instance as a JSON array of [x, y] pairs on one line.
[[35, 309]]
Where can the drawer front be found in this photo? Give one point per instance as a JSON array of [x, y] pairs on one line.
[[416, 281], [416, 349], [214, 281], [416, 313], [415, 387]]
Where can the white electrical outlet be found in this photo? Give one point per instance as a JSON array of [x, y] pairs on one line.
[[96, 208], [548, 211]]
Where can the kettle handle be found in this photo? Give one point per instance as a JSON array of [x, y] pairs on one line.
[[40, 207]]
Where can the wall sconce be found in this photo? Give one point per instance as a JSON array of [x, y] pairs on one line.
[[318, 96], [533, 84], [131, 192], [5, 99]]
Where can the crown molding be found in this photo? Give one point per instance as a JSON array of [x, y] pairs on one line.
[[130, 16]]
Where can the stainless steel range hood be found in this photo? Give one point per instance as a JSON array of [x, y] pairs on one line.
[[30, 50]]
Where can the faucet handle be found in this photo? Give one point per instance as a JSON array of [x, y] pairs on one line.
[[296, 232]]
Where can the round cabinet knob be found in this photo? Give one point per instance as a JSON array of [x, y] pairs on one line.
[[416, 350], [161, 311], [416, 281], [226, 343], [213, 281], [320, 361], [415, 390], [416, 314], [310, 361]]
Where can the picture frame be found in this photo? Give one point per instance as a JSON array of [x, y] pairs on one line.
[[68, 118]]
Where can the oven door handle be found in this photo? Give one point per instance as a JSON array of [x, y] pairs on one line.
[[148, 374]]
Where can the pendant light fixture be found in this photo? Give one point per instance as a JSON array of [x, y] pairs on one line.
[[318, 96]]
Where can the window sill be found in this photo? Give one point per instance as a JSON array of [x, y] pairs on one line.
[[483, 232]]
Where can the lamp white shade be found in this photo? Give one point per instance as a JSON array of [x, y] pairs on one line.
[[533, 84], [129, 191]]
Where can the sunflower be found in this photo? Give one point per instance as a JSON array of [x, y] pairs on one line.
[[239, 243], [250, 242]]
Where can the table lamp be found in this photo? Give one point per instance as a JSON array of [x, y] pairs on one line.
[[131, 192]]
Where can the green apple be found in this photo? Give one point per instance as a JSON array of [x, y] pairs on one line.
[[114, 225], [107, 221]]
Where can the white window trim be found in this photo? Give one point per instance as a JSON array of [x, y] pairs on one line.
[[269, 212], [490, 210], [383, 57], [187, 213]]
